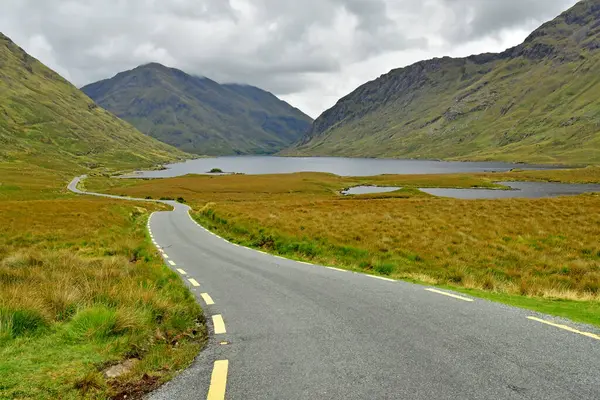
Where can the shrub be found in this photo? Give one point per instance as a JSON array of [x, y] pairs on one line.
[[216, 171]]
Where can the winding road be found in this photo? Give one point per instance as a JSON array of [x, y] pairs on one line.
[[282, 329]]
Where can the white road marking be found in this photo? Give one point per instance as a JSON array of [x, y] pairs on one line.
[[565, 327], [449, 294], [382, 278], [194, 282], [172, 263], [337, 269], [182, 272]]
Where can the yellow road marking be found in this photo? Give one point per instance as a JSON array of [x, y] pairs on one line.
[[218, 380], [207, 299], [172, 263], [337, 269], [449, 294], [194, 282], [565, 327], [219, 324], [182, 272], [382, 278]]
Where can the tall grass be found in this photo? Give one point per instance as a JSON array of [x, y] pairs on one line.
[[82, 288]]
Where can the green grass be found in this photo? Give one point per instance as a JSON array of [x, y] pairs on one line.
[[531, 104], [46, 121]]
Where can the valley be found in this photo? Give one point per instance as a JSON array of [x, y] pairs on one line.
[[164, 235]]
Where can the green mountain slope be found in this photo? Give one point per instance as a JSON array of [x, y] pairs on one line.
[[537, 102], [199, 115], [46, 121]]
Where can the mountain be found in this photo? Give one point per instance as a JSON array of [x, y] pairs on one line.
[[536, 102], [199, 115], [44, 120]]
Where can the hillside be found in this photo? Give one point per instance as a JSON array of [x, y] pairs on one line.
[[536, 102], [199, 115], [46, 121]]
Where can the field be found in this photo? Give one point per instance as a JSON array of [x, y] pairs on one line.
[[537, 253], [83, 289]]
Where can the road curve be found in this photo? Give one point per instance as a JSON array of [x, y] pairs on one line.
[[281, 329]]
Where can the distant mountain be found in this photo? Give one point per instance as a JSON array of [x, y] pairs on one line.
[[199, 115], [44, 120], [536, 102]]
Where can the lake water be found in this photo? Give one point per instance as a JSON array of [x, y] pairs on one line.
[[520, 190], [258, 165], [369, 190]]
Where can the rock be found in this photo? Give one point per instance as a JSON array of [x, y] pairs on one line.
[[121, 369]]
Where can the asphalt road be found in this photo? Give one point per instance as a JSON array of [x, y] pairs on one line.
[[300, 331]]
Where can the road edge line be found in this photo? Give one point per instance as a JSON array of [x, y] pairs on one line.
[[565, 327]]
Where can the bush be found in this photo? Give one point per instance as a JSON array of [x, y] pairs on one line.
[[216, 171], [181, 200]]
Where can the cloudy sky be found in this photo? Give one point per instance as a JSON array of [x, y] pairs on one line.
[[309, 52]]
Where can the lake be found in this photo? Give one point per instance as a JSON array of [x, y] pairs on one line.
[[259, 165]]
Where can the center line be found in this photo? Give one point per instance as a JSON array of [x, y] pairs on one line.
[[449, 294], [565, 327], [219, 324], [207, 299], [218, 381], [194, 282]]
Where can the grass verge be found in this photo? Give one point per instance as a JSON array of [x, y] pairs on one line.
[[82, 289]]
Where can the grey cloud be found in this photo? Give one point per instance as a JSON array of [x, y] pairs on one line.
[[286, 46], [475, 18]]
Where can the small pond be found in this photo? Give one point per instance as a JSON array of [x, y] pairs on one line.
[[369, 189], [529, 190]]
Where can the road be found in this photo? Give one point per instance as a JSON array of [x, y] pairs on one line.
[[281, 329]]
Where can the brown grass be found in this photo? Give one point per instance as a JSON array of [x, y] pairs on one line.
[[534, 247]]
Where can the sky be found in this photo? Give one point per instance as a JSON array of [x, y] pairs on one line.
[[308, 52]]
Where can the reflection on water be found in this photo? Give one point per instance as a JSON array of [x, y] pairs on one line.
[[520, 190]]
